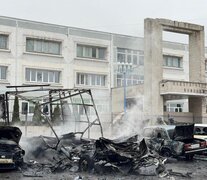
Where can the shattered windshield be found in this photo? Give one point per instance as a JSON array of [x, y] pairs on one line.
[[200, 131]]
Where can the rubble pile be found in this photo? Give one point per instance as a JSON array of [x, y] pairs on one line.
[[100, 156]]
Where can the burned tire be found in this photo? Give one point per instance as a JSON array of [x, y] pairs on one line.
[[189, 157], [165, 152], [86, 164]]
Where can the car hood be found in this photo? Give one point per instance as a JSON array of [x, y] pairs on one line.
[[10, 133], [182, 132]]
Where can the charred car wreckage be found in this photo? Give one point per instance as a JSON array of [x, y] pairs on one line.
[[99, 156], [171, 140], [11, 154], [75, 152]]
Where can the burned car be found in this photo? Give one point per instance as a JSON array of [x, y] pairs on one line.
[[11, 154], [171, 140]]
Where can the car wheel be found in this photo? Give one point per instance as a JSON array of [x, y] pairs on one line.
[[86, 164], [165, 152]]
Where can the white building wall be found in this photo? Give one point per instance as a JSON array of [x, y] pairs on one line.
[[7, 57], [17, 59], [40, 60]]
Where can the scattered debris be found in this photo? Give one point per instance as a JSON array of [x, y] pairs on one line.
[[174, 173], [99, 156]]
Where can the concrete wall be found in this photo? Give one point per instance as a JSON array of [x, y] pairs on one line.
[[184, 117]]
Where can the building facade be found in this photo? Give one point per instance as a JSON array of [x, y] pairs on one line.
[[66, 57]]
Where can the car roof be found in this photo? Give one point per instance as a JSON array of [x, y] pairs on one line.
[[167, 127]]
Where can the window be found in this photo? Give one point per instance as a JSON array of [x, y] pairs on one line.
[[43, 46], [27, 107], [91, 79], [130, 56], [3, 41], [94, 52], [3, 72], [39, 75], [130, 79], [172, 107], [172, 61]]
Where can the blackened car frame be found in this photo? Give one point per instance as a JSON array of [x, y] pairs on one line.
[[11, 154], [171, 140]]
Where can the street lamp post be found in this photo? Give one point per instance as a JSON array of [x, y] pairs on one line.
[[125, 86], [125, 95]]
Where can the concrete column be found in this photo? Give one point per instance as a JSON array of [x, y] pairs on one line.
[[197, 73], [196, 56], [198, 107], [153, 68]]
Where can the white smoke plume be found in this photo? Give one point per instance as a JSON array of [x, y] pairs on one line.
[[132, 123]]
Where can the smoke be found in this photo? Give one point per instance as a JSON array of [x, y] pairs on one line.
[[132, 123]]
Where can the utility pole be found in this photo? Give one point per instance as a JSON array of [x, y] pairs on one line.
[[124, 94]]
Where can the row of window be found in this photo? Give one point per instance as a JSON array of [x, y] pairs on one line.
[[125, 56], [133, 57], [28, 108], [54, 47], [52, 76]]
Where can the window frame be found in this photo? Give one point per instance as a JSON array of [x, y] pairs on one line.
[[6, 70], [31, 75], [169, 61], [135, 56], [91, 79], [29, 104], [93, 52], [42, 41], [7, 42]]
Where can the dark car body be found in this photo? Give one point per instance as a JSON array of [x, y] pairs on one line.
[[175, 140], [11, 154]]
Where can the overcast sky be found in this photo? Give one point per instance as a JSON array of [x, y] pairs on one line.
[[117, 16]]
